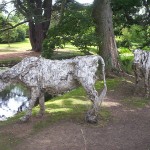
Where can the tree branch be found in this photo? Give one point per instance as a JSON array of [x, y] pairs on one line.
[[12, 27], [3, 5]]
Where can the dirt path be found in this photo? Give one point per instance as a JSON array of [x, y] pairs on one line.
[[128, 129], [23, 54]]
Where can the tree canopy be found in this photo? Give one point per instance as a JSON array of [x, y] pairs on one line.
[[69, 21]]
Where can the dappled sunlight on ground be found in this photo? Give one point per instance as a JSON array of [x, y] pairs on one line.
[[111, 104], [58, 110], [129, 110]]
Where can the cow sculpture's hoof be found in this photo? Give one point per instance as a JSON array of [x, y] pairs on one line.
[[24, 119], [91, 119]]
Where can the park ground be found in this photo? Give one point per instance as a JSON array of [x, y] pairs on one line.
[[124, 124]]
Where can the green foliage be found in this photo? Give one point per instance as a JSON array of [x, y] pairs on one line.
[[13, 35], [126, 63], [84, 42], [76, 27], [48, 48], [134, 37], [10, 36], [21, 34], [128, 12], [126, 59], [123, 50]]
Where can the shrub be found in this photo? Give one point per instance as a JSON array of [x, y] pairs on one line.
[[21, 34], [14, 35], [48, 48]]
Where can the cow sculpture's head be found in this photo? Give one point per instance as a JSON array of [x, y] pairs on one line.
[[137, 56], [4, 81], [3, 85]]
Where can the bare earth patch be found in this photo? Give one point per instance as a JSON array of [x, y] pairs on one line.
[[21, 55], [128, 128]]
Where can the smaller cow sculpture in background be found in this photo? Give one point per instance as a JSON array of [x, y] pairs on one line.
[[56, 77], [141, 66]]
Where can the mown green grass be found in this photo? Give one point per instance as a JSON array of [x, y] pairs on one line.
[[15, 47], [72, 105], [136, 102], [9, 61]]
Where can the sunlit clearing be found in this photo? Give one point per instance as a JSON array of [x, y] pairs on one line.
[[130, 110], [58, 110], [110, 104], [128, 81]]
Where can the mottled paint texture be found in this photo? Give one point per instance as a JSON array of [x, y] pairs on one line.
[[56, 77], [141, 66]]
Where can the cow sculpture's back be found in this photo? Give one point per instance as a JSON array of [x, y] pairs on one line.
[[56, 77]]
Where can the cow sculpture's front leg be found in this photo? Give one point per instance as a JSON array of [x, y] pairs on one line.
[[137, 77], [41, 104], [147, 83], [35, 93]]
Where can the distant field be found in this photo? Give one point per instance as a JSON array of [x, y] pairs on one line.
[[15, 47]]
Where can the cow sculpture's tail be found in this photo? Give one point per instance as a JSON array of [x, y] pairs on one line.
[[103, 93]]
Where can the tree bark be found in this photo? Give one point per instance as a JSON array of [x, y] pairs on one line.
[[102, 16], [38, 13], [36, 35]]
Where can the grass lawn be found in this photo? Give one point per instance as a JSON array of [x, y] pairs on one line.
[[72, 105], [15, 47]]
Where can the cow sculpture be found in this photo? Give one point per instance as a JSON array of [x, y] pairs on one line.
[[141, 66], [56, 77]]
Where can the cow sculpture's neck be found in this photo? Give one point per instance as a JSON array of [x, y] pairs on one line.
[[55, 77]]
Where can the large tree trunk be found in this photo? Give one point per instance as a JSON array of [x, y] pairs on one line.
[[38, 13], [36, 36], [102, 15]]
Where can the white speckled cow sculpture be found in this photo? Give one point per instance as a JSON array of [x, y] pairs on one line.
[[141, 66], [57, 76]]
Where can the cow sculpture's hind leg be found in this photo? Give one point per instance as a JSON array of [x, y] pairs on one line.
[[147, 83], [92, 114]]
